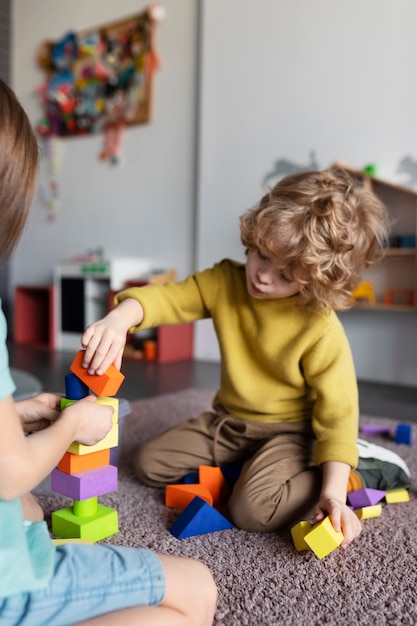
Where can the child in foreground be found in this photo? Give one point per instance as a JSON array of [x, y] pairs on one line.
[[287, 406], [40, 584]]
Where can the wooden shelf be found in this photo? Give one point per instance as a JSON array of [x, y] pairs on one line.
[[385, 307], [407, 252], [398, 271]]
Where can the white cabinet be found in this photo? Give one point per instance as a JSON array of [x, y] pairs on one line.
[[83, 290]]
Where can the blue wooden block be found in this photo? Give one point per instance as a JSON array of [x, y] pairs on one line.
[[231, 472], [75, 389], [198, 518], [191, 479], [404, 434]]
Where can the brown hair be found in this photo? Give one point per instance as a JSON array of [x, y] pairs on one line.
[[19, 159], [326, 227]]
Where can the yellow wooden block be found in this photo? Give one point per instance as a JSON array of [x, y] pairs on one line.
[[397, 495], [366, 512], [61, 542], [111, 440], [114, 403], [107, 400], [323, 538], [298, 532]]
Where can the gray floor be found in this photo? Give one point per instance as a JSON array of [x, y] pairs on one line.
[[147, 379]]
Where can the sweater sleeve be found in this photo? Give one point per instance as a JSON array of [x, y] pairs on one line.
[[173, 303], [330, 372]]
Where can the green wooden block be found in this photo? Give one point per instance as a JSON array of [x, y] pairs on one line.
[[64, 402], [85, 508], [99, 526]]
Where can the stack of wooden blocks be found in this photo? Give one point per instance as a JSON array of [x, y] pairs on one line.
[[85, 472]]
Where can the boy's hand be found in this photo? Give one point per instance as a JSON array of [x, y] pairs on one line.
[[37, 412], [104, 341], [342, 518]]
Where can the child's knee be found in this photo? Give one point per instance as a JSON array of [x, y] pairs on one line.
[[144, 463], [252, 516], [151, 466]]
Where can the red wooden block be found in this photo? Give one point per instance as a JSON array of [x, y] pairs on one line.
[[105, 385]]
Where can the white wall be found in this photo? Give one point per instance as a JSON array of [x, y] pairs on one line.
[[143, 207], [281, 79], [278, 79]]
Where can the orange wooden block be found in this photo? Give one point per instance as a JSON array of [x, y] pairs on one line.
[[213, 479], [105, 385], [180, 496], [75, 463]]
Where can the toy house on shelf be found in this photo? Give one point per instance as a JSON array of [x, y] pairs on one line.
[[392, 284]]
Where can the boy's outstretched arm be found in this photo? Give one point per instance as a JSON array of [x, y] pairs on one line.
[[104, 341], [332, 501]]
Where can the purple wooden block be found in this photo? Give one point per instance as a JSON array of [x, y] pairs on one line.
[[365, 497], [84, 485], [375, 429]]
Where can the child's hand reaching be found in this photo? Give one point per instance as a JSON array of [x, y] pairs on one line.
[[342, 518], [104, 341]]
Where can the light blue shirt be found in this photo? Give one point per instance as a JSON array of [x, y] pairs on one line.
[[26, 549]]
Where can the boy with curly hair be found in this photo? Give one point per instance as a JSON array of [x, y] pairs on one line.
[[287, 406]]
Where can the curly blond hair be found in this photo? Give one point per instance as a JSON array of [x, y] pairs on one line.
[[325, 227]]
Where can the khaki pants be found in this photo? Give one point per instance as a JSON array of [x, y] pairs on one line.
[[279, 483]]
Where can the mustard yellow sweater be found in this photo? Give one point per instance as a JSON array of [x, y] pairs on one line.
[[279, 361]]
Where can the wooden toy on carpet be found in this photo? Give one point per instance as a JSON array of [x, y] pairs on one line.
[[322, 539], [365, 497], [197, 498], [197, 519]]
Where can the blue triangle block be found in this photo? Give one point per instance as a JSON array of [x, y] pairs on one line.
[[198, 518]]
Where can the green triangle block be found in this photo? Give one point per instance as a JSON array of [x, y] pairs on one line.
[[198, 518]]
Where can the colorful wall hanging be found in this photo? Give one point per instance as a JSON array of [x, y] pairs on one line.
[[100, 80]]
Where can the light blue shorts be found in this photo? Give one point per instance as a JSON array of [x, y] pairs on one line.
[[88, 580]]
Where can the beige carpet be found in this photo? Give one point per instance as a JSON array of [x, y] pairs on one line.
[[262, 580]]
